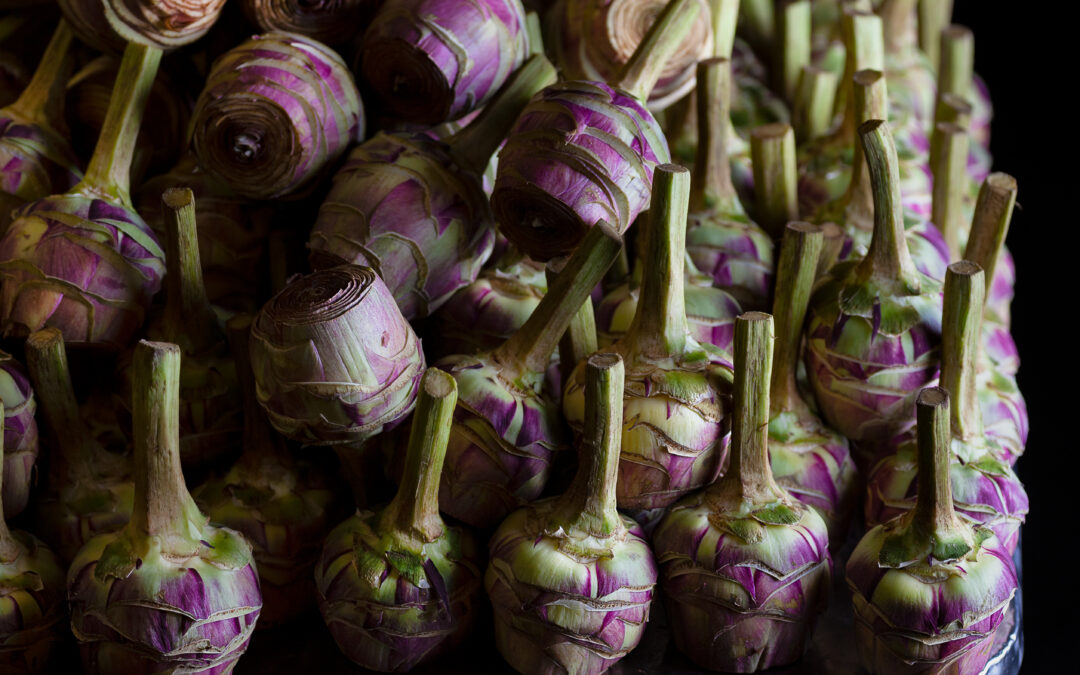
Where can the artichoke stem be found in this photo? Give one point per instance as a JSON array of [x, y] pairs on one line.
[[42, 102], [957, 68], [757, 17], [642, 71], [46, 359], [815, 97], [264, 448], [9, 548], [950, 108], [474, 145], [933, 516], [990, 225], [871, 103], [109, 171], [897, 17], [772, 153], [950, 183], [534, 32], [579, 340], [934, 15], [712, 188], [413, 513], [795, 274], [163, 507], [888, 257], [529, 349], [188, 311], [961, 325], [724, 15], [659, 327], [793, 28], [589, 505], [864, 43]]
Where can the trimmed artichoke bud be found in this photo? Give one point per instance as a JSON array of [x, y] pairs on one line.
[[507, 429], [275, 113], [808, 459], [874, 326], [334, 360], [928, 588], [108, 25], [397, 587], [594, 39], [84, 261], [430, 61], [570, 578], [675, 437], [721, 240], [90, 489], [20, 435], [583, 151], [744, 566], [414, 208], [31, 598], [984, 488], [168, 591], [284, 507], [333, 22]]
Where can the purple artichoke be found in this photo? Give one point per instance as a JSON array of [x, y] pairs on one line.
[[84, 261], [874, 325], [414, 209], [744, 566], [430, 61], [276, 112], [675, 437], [334, 360], [90, 490], [570, 578], [397, 587], [507, 429], [332, 22], [168, 592], [108, 25], [928, 588], [283, 506], [583, 151], [20, 435]]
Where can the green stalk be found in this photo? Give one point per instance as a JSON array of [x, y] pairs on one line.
[[643, 70], [950, 183], [474, 145], [659, 328], [796, 270], [953, 109], [724, 15], [897, 17], [864, 40], [772, 154], [888, 258], [534, 29], [9, 548], [413, 514], [712, 189], [589, 505], [187, 310], [757, 17], [990, 225], [957, 68], [529, 349], [46, 359], [42, 102], [163, 506], [871, 103], [793, 30], [934, 15], [579, 340], [961, 325], [815, 98], [109, 171]]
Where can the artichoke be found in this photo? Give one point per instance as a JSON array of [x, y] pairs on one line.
[[20, 435], [584, 151], [284, 507], [744, 566], [928, 588], [721, 240], [36, 159], [984, 488], [874, 325], [675, 402], [430, 61], [276, 112], [397, 587], [84, 261], [333, 22], [594, 39], [31, 599], [414, 209], [108, 25], [808, 459], [168, 592], [570, 578], [507, 429], [334, 360], [90, 490]]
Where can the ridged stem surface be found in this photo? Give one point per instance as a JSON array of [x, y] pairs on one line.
[[990, 225], [795, 274]]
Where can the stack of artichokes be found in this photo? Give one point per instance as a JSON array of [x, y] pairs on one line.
[[497, 272]]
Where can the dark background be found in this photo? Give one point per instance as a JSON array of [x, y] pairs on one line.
[[1021, 51]]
